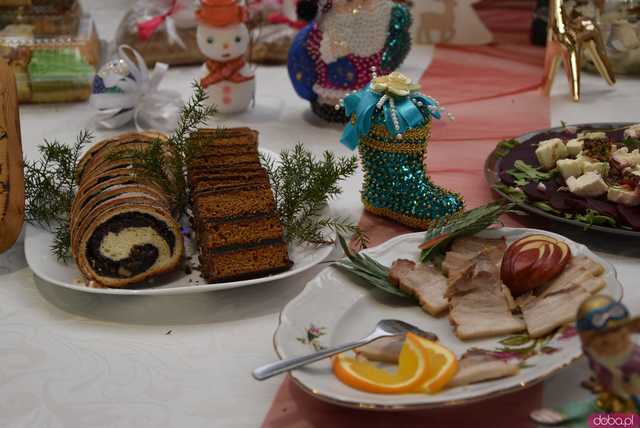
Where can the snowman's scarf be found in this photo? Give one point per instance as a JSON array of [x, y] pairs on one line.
[[224, 70]]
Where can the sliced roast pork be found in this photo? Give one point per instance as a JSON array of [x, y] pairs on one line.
[[465, 250], [580, 271], [544, 314], [423, 281], [557, 304], [478, 305]]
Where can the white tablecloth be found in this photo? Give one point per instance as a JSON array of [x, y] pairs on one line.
[[70, 359]]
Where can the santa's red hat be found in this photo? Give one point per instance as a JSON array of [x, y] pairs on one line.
[[221, 13]]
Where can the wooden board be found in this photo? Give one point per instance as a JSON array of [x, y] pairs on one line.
[[11, 164]]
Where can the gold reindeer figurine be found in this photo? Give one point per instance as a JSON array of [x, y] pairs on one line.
[[569, 34]]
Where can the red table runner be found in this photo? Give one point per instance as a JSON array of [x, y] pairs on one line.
[[493, 92]]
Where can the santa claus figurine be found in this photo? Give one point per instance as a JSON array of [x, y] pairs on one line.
[[223, 38], [339, 51]]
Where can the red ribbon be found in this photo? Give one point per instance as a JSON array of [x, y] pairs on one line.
[[148, 27], [278, 18], [219, 71]]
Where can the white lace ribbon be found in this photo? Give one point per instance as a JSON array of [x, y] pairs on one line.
[[140, 100]]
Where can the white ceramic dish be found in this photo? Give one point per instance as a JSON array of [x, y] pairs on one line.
[[336, 307], [45, 265]]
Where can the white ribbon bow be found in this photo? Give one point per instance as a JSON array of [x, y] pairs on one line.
[[173, 38], [140, 99]]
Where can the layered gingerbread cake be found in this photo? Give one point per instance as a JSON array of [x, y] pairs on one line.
[[239, 233], [122, 226]]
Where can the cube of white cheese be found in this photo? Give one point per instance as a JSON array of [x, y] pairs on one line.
[[624, 158], [601, 168], [592, 135], [632, 131], [574, 147], [549, 151], [592, 165], [588, 185], [624, 196], [570, 167]]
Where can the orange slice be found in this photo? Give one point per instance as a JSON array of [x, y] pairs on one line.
[[443, 365], [412, 370]]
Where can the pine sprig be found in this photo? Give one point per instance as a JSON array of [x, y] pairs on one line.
[[165, 163], [442, 233], [50, 186], [302, 186], [368, 269]]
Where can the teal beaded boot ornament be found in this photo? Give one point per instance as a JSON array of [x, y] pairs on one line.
[[390, 122]]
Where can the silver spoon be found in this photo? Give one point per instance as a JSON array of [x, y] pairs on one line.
[[385, 328]]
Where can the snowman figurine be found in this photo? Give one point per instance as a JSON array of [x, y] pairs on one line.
[[223, 38]]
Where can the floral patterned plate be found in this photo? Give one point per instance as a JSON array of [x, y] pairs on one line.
[[336, 307]]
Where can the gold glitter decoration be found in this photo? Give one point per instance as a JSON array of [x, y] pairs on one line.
[[420, 134], [410, 221], [568, 35]]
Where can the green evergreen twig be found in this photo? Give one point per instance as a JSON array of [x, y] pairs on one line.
[[302, 186], [50, 186]]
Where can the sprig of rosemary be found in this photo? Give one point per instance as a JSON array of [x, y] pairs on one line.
[[165, 162], [437, 241], [443, 232], [368, 269], [302, 186], [50, 186]]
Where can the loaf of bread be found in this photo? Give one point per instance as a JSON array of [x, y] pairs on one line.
[[239, 233], [123, 231], [11, 173]]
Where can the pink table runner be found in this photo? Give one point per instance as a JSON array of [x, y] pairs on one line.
[[493, 91]]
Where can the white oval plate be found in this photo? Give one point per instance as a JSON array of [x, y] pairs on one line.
[[45, 265], [338, 307]]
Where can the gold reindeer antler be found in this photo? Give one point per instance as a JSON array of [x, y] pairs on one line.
[[567, 37]]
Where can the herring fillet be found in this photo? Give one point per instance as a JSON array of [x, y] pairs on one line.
[[478, 366], [473, 367], [478, 305], [423, 281], [387, 349]]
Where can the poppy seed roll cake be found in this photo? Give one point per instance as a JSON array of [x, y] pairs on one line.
[[120, 145], [122, 226], [239, 233]]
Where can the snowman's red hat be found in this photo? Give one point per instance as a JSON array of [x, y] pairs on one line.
[[221, 13]]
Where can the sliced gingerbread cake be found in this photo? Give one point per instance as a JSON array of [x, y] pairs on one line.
[[122, 226], [234, 213]]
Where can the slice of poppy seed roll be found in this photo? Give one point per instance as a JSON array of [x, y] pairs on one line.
[[128, 244], [122, 227]]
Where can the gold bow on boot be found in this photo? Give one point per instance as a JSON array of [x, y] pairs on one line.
[[567, 37]]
